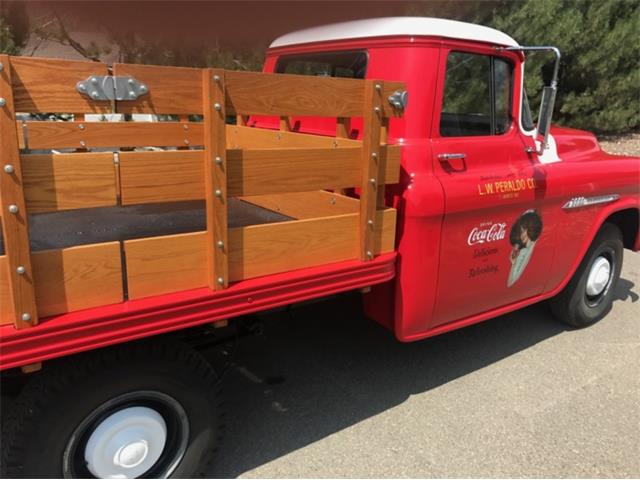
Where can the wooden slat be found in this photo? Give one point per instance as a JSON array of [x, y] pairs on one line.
[[175, 90], [6, 304], [178, 262], [343, 127], [148, 177], [290, 95], [215, 177], [371, 161], [15, 227], [49, 85], [48, 135], [151, 177], [77, 278], [68, 181], [302, 205], [250, 137]]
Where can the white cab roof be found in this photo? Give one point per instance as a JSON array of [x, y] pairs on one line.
[[394, 26]]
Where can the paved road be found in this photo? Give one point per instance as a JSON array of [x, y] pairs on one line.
[[326, 393]]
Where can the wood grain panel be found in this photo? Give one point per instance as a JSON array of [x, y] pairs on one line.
[[49, 85], [148, 177], [46, 135], [166, 264], [68, 181], [290, 95], [151, 177], [6, 307], [176, 90], [178, 262], [249, 137], [303, 205], [77, 278], [15, 226]]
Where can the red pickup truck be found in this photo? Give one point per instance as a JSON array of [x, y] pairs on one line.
[[483, 213]]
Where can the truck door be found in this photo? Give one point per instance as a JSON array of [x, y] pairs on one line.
[[496, 243]]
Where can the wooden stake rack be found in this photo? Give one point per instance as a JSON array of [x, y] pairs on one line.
[[92, 164]]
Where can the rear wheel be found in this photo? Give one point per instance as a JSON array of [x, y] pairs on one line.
[[142, 410], [589, 294]]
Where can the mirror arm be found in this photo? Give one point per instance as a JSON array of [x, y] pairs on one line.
[[553, 87]]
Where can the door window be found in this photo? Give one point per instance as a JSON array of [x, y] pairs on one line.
[[477, 96]]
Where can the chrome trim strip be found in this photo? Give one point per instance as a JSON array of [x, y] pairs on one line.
[[578, 202]]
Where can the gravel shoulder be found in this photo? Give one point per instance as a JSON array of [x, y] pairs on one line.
[[621, 144]]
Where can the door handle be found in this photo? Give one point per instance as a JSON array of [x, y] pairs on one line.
[[445, 157]]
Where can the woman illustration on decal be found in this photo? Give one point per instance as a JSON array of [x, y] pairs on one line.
[[523, 236]]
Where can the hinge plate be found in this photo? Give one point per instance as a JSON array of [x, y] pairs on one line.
[[107, 87]]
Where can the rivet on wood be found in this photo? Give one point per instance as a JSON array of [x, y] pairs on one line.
[[220, 244], [81, 126], [83, 143], [218, 193], [218, 160], [370, 223], [186, 142], [216, 78], [26, 317], [3, 102], [369, 254], [13, 209], [372, 181], [376, 109], [20, 270], [374, 155], [9, 168], [217, 107], [221, 280], [378, 87], [1, 66], [185, 126]]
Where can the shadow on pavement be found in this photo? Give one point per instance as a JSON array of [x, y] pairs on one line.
[[321, 367]]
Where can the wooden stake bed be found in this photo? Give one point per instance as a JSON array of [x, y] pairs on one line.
[[100, 213]]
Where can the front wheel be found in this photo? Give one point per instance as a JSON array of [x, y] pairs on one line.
[[142, 410], [589, 294]]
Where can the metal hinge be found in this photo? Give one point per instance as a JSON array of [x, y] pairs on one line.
[[107, 87]]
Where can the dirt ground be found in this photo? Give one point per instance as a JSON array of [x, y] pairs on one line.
[[622, 144]]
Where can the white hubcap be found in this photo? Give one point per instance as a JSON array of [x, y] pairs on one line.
[[126, 444], [598, 276]]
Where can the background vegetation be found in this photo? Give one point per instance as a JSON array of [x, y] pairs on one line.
[[599, 75]]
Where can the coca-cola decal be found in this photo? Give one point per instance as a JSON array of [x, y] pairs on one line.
[[487, 232]]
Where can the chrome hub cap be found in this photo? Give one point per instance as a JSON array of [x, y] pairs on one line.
[[126, 444], [599, 276]]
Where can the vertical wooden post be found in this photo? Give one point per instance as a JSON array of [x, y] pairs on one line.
[[371, 124], [15, 227], [343, 127], [215, 177], [285, 124], [384, 138]]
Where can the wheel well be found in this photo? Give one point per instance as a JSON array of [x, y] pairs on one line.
[[628, 222]]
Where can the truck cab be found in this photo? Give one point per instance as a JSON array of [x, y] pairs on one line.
[[488, 221]]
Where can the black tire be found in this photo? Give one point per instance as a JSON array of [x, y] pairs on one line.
[[56, 411], [574, 305]]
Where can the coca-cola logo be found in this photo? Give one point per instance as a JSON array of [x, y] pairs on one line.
[[487, 233]]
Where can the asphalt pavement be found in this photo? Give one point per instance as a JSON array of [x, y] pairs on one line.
[[324, 392]]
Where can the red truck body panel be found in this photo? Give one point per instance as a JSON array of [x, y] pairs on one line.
[[444, 279]]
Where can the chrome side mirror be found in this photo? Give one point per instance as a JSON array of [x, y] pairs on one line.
[[548, 97], [546, 113]]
